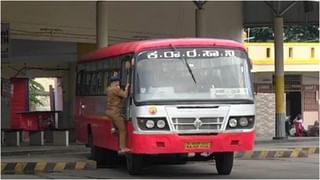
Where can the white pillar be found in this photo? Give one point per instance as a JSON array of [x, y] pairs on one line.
[[58, 99], [58, 94], [200, 23], [279, 78], [102, 24]]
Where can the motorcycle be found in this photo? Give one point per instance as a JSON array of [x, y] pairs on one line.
[[290, 127]]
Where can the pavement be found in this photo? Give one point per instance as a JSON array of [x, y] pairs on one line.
[[27, 159]]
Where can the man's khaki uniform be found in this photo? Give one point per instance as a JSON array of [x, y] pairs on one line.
[[115, 96]]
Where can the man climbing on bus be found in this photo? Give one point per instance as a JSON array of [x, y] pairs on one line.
[[115, 96]]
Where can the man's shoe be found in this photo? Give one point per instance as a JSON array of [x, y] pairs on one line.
[[114, 131], [124, 151]]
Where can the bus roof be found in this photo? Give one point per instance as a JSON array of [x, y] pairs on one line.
[[136, 46]]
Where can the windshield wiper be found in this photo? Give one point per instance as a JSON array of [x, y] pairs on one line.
[[185, 61]]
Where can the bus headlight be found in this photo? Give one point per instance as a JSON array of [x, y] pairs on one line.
[[243, 121], [161, 123], [150, 124], [233, 122]]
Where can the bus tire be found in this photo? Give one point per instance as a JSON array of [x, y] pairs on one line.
[[92, 147], [134, 163], [224, 162], [109, 158], [103, 157]]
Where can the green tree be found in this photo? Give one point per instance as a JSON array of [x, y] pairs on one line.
[[292, 33], [35, 89]]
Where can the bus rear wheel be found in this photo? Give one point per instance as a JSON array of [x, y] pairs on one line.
[[134, 163], [103, 157], [224, 162], [92, 147]]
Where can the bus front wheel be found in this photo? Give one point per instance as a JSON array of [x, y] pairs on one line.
[[224, 162], [134, 163]]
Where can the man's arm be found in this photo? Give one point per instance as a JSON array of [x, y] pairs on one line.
[[124, 93]]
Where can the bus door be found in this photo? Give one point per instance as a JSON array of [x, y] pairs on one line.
[[126, 70]]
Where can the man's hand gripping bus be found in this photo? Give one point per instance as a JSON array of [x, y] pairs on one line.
[[190, 99]]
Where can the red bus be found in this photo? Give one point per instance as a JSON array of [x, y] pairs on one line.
[[189, 99]]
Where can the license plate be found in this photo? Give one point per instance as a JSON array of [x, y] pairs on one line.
[[197, 145]]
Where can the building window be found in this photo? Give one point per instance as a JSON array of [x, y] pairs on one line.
[[290, 52], [312, 52], [268, 52]]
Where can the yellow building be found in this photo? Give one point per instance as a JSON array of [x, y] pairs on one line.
[[302, 67]]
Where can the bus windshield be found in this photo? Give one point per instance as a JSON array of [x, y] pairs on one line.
[[192, 74]]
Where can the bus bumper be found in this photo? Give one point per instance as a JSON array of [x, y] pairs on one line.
[[174, 143]]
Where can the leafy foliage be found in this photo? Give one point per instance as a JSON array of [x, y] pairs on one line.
[[35, 89], [292, 33]]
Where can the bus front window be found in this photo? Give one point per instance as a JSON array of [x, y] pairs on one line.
[[192, 75]]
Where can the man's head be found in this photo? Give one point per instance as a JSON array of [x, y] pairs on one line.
[[299, 116], [115, 79]]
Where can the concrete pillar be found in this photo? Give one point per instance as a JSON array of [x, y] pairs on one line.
[[279, 78], [52, 99], [58, 94], [72, 86], [200, 28], [226, 20], [102, 24]]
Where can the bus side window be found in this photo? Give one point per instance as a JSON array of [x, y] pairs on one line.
[[100, 88], [106, 81], [87, 84], [80, 88], [93, 83]]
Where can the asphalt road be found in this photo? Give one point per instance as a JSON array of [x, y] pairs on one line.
[[286, 168]]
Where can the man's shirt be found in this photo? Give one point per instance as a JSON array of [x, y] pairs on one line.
[[115, 95]]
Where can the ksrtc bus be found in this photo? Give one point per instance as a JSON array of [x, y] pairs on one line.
[[190, 98]]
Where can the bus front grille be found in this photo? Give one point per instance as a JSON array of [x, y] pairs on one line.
[[197, 124]]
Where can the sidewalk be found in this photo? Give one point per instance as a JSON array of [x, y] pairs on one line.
[[269, 140], [26, 149]]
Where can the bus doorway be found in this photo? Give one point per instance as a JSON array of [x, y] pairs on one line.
[[293, 104]]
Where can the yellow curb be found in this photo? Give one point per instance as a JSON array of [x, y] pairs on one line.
[[59, 166], [263, 155], [40, 166], [3, 165], [312, 150], [247, 155], [308, 150], [19, 169], [80, 165], [278, 154], [295, 153]]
